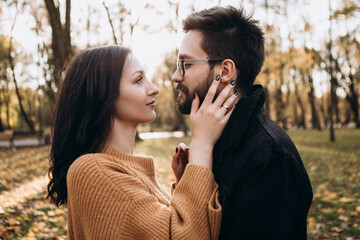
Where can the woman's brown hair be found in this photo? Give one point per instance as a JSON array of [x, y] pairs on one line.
[[83, 112]]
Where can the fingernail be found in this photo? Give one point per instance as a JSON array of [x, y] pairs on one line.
[[177, 149], [236, 93], [194, 95], [232, 83], [217, 77]]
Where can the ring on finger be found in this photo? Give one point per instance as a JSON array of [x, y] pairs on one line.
[[224, 106]]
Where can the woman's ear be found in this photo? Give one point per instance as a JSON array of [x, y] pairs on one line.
[[228, 71]]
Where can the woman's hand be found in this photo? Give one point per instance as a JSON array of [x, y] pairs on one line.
[[208, 122], [180, 160]]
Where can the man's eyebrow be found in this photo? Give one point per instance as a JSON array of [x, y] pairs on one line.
[[185, 56], [138, 71]]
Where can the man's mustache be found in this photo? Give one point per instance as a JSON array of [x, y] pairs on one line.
[[182, 88]]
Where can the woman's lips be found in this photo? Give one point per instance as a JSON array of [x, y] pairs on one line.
[[151, 104]]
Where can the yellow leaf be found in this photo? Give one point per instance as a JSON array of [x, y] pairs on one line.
[[12, 221], [358, 208], [340, 210], [346, 200], [327, 210], [343, 218], [51, 213], [330, 196], [31, 236], [336, 229], [17, 229], [311, 222]]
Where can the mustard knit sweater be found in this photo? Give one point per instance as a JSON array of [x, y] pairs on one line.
[[114, 195]]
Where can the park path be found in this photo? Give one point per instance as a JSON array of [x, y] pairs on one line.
[[18, 195]]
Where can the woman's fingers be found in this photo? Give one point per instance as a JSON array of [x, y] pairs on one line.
[[228, 105], [224, 94], [212, 91], [194, 105]]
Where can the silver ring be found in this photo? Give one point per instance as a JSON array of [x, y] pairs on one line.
[[225, 107]]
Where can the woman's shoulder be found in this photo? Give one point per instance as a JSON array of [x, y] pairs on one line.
[[89, 163], [98, 168], [83, 165]]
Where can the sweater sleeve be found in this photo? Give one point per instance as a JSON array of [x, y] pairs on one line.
[[122, 207]]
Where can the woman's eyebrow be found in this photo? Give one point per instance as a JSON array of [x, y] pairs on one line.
[[138, 71]]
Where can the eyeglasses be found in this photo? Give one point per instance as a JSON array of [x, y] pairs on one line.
[[181, 63]]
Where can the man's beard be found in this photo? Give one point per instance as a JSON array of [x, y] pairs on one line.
[[184, 103]]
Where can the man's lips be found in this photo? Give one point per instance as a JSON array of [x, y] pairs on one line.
[[182, 89]]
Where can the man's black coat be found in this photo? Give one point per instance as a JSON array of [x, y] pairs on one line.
[[264, 188]]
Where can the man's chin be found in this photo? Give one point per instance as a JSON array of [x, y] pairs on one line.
[[182, 109], [183, 106]]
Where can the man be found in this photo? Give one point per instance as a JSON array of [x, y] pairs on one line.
[[264, 188]]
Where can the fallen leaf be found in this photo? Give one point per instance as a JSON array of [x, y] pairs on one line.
[[336, 229], [311, 222], [346, 200], [51, 213], [12, 221], [340, 211]]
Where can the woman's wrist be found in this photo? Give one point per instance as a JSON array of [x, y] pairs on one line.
[[201, 154]]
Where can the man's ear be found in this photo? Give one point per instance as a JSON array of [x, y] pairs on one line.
[[228, 71]]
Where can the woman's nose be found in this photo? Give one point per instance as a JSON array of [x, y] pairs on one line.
[[154, 90]]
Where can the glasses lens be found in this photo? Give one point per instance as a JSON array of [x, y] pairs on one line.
[[180, 66]]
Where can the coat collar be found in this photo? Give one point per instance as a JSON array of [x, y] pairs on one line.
[[247, 107]]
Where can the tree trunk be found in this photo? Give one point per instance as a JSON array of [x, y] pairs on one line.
[[28, 121], [314, 111], [1, 103], [352, 96], [278, 104], [332, 80], [61, 40], [302, 121], [7, 103], [1, 126], [323, 110]]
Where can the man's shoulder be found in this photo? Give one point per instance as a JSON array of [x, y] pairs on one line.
[[274, 133], [267, 140]]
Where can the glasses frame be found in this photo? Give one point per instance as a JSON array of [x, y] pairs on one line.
[[182, 61]]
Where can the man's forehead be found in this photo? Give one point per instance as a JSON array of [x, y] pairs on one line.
[[191, 46]]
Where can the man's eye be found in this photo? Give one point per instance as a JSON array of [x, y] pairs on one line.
[[187, 65]]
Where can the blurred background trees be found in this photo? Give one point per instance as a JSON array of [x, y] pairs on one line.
[[311, 73]]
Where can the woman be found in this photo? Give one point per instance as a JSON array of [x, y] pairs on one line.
[[110, 192]]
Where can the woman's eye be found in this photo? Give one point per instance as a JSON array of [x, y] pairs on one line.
[[139, 80]]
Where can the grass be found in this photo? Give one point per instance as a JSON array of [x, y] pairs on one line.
[[333, 168], [334, 171]]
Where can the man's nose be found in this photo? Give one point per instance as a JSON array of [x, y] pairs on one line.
[[176, 77]]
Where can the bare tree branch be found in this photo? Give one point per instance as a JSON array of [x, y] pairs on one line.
[[110, 21]]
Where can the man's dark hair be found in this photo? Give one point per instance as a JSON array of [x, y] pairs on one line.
[[227, 33]]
